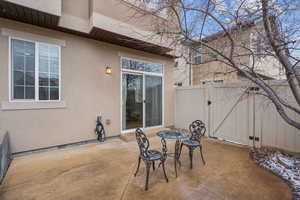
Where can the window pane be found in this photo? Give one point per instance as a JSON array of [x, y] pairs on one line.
[[29, 63], [43, 65], [43, 50], [18, 47], [29, 92], [18, 78], [132, 93], [44, 79], [142, 66], [54, 51], [43, 93], [153, 100], [23, 69], [198, 60], [29, 79], [29, 48], [197, 52], [49, 72], [54, 66], [18, 62], [54, 93], [19, 92], [54, 80]]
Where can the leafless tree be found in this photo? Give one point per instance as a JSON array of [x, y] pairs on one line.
[[278, 27]]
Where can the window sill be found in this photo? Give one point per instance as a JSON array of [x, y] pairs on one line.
[[32, 105]]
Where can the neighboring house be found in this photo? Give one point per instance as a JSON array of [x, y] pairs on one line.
[[182, 68], [205, 68], [62, 64]]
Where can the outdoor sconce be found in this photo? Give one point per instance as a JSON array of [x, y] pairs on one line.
[[108, 70]]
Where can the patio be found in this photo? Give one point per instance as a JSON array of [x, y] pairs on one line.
[[105, 171]]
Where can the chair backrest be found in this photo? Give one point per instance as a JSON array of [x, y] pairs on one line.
[[142, 141], [197, 129]]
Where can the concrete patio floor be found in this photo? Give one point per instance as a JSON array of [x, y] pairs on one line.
[[105, 171]]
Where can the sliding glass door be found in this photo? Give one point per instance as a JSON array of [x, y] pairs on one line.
[[132, 107], [153, 100], [142, 95]]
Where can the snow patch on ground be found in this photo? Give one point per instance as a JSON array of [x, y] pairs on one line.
[[283, 165]]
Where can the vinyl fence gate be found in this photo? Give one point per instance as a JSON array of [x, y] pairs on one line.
[[236, 113]]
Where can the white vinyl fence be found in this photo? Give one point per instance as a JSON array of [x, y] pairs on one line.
[[237, 116]]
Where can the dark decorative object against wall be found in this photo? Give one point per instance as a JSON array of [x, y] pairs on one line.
[[100, 130], [5, 156]]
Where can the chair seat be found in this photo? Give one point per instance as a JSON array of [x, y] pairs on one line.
[[153, 155], [191, 143]]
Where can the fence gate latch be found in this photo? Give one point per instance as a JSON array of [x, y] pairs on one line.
[[254, 138]]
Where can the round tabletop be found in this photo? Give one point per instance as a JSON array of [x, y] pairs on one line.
[[172, 134]]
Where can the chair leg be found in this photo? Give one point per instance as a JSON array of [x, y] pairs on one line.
[[153, 165], [138, 167], [191, 156], [163, 166], [176, 156], [202, 155], [181, 145], [148, 165]]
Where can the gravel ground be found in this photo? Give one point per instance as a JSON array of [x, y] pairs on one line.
[[281, 164]]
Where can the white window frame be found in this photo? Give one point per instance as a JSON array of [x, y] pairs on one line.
[[10, 73], [143, 73]]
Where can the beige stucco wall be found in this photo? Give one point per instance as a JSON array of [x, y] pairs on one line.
[[127, 12], [212, 70], [76, 16], [117, 16], [51, 7], [215, 70], [86, 90]]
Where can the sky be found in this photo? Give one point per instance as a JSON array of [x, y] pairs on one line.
[[195, 19]]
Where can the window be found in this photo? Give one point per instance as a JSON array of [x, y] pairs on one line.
[[35, 69], [141, 66], [213, 81], [197, 56], [154, 4], [259, 47]]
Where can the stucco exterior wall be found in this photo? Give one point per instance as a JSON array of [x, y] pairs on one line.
[[76, 16], [85, 89], [51, 7], [211, 70], [126, 11]]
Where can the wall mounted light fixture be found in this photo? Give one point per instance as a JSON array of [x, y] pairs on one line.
[[108, 70]]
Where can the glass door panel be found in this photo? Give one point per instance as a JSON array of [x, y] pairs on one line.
[[153, 100], [132, 97]]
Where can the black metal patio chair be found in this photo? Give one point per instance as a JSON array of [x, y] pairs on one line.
[[197, 130], [150, 156]]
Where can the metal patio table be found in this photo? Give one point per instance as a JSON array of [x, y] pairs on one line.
[[175, 135]]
